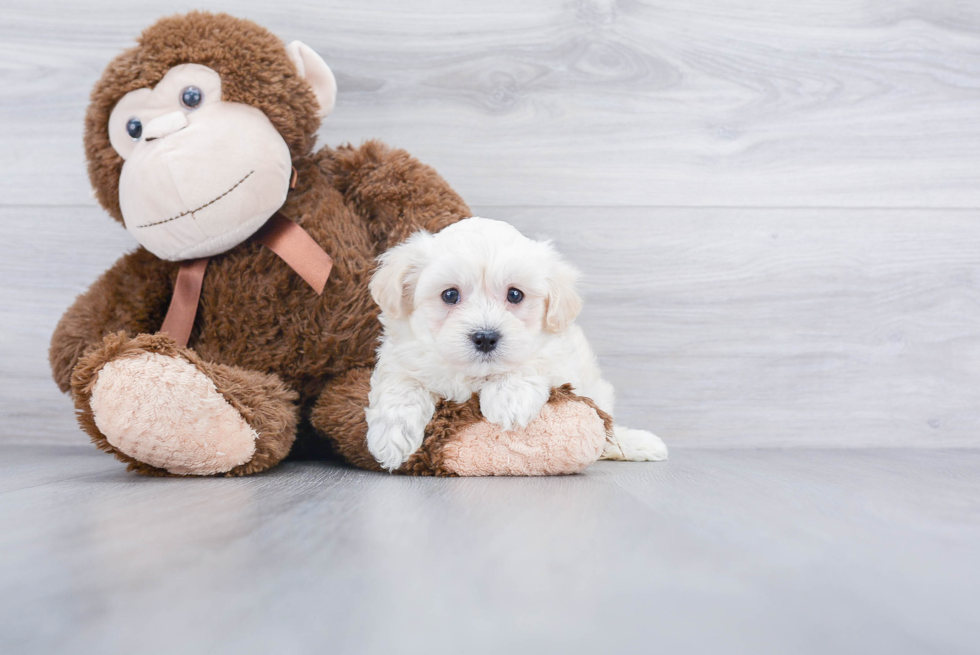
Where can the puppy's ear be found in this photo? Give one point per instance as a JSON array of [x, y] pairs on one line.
[[563, 302], [393, 284]]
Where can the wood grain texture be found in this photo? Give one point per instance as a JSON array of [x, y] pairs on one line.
[[748, 327], [781, 327], [590, 102], [774, 205], [716, 551]]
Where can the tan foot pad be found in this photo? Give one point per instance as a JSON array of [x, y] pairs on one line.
[[166, 413], [565, 438]]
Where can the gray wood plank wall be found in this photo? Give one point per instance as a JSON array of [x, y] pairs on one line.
[[776, 205]]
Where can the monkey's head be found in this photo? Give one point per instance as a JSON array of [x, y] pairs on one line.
[[191, 134]]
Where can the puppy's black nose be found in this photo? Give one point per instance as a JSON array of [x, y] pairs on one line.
[[485, 340]]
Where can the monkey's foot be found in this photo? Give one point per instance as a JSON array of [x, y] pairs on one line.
[[164, 410], [565, 438]]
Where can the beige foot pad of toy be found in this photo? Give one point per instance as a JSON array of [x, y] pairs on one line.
[[568, 436]]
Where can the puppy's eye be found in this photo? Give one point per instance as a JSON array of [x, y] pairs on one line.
[[515, 296], [191, 97], [450, 296], [134, 128]]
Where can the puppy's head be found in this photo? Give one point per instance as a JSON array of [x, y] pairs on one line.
[[480, 293]]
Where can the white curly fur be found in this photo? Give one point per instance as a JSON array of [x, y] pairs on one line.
[[427, 352]]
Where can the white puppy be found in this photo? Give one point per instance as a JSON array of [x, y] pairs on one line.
[[480, 308]]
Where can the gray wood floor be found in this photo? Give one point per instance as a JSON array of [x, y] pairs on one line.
[[775, 205], [756, 551]]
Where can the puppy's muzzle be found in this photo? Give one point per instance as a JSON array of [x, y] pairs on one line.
[[485, 340]]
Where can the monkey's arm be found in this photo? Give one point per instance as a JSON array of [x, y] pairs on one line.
[[132, 296], [399, 193]]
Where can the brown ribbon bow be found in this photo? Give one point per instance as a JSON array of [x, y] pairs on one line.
[[280, 235]]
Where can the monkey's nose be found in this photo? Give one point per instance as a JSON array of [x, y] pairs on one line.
[[161, 126], [485, 340]]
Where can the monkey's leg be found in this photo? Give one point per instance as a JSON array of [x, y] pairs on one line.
[[162, 410], [338, 416], [567, 436]]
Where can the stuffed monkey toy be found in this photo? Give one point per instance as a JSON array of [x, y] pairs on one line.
[[244, 322]]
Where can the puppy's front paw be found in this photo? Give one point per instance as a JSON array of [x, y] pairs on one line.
[[513, 402], [634, 446], [393, 443]]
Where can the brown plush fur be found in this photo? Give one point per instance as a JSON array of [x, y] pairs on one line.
[[266, 339], [274, 349]]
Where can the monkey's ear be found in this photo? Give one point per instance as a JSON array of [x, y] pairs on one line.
[[314, 70]]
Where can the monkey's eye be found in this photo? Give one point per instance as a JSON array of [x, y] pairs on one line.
[[134, 128], [450, 296], [515, 296], [191, 97]]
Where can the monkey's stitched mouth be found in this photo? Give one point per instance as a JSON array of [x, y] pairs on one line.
[[207, 204]]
